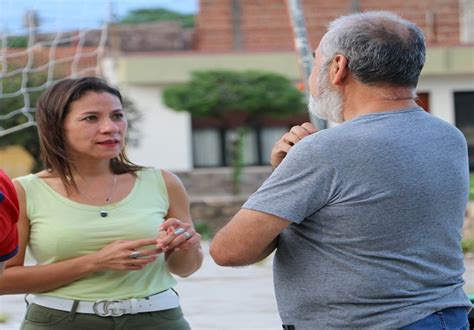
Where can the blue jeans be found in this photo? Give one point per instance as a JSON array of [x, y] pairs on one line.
[[446, 319]]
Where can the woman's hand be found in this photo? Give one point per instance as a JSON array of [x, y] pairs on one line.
[[288, 140], [124, 255], [175, 235]]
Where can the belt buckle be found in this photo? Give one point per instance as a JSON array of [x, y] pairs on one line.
[[103, 308]]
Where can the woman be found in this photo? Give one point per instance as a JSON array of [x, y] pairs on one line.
[[105, 233]]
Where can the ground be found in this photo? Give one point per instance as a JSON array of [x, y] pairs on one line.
[[219, 298]]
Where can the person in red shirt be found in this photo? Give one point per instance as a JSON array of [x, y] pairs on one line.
[[8, 219]]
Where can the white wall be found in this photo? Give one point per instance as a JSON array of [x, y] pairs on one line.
[[441, 93], [165, 135]]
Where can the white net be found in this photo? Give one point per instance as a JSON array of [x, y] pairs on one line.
[[40, 44]]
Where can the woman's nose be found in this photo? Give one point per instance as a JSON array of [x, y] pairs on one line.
[[109, 125]]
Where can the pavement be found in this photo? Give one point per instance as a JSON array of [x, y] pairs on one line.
[[218, 297]]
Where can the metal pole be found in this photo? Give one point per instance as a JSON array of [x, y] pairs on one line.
[[303, 50]]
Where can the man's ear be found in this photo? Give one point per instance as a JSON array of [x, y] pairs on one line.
[[339, 70]]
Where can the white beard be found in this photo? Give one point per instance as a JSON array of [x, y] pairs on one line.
[[328, 104]]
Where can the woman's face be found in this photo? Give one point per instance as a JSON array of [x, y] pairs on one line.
[[95, 126]]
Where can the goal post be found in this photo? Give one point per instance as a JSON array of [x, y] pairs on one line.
[[41, 52]]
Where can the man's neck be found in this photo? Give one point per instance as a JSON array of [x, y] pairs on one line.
[[363, 99]]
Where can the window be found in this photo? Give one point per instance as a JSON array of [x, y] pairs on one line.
[[214, 140], [250, 147], [207, 150], [269, 135], [464, 114]]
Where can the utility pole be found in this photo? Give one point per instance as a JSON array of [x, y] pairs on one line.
[[303, 50], [31, 22]]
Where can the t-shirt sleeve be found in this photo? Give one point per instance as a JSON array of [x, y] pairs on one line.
[[301, 185], [8, 218]]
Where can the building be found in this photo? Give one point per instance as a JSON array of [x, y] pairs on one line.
[[249, 34]]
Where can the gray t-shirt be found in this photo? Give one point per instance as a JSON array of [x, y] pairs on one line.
[[377, 207]]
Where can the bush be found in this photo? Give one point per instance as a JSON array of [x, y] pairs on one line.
[[467, 245], [203, 229], [471, 187]]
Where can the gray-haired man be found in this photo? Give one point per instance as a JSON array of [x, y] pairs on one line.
[[365, 217]]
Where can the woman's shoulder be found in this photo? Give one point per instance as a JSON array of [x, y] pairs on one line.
[[28, 177], [170, 179], [153, 171], [38, 175]]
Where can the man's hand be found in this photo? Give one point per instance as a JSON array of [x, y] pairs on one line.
[[288, 140]]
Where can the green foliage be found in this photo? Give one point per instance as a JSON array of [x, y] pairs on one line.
[[144, 15], [214, 93], [4, 318], [467, 245], [238, 159], [217, 93], [17, 42], [203, 229]]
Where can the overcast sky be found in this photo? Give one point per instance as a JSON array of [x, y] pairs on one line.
[[67, 15]]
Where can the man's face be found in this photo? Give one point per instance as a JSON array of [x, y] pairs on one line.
[[325, 101], [2, 266]]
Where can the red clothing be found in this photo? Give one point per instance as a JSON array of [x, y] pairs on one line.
[[8, 218]]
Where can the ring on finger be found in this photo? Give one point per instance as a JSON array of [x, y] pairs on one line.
[[188, 235], [179, 231], [135, 255]]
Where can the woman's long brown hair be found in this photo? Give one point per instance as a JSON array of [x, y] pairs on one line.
[[51, 110]]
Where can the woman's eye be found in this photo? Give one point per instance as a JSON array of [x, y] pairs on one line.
[[117, 116], [90, 118]]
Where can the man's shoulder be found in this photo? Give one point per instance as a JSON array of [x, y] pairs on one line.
[[331, 137]]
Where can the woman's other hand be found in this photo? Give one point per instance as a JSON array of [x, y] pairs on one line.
[[175, 235]]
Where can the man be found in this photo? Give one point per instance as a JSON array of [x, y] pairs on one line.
[[365, 217], [8, 220]]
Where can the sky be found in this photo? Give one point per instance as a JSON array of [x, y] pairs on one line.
[[68, 15]]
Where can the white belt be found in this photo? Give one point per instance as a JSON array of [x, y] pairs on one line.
[[164, 300]]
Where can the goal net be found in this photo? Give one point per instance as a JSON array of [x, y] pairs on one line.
[[41, 44]]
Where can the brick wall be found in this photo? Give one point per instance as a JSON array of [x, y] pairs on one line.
[[264, 25]]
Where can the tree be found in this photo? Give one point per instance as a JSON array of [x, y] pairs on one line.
[[138, 16], [253, 94]]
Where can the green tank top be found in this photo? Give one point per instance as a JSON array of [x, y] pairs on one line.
[[61, 229]]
